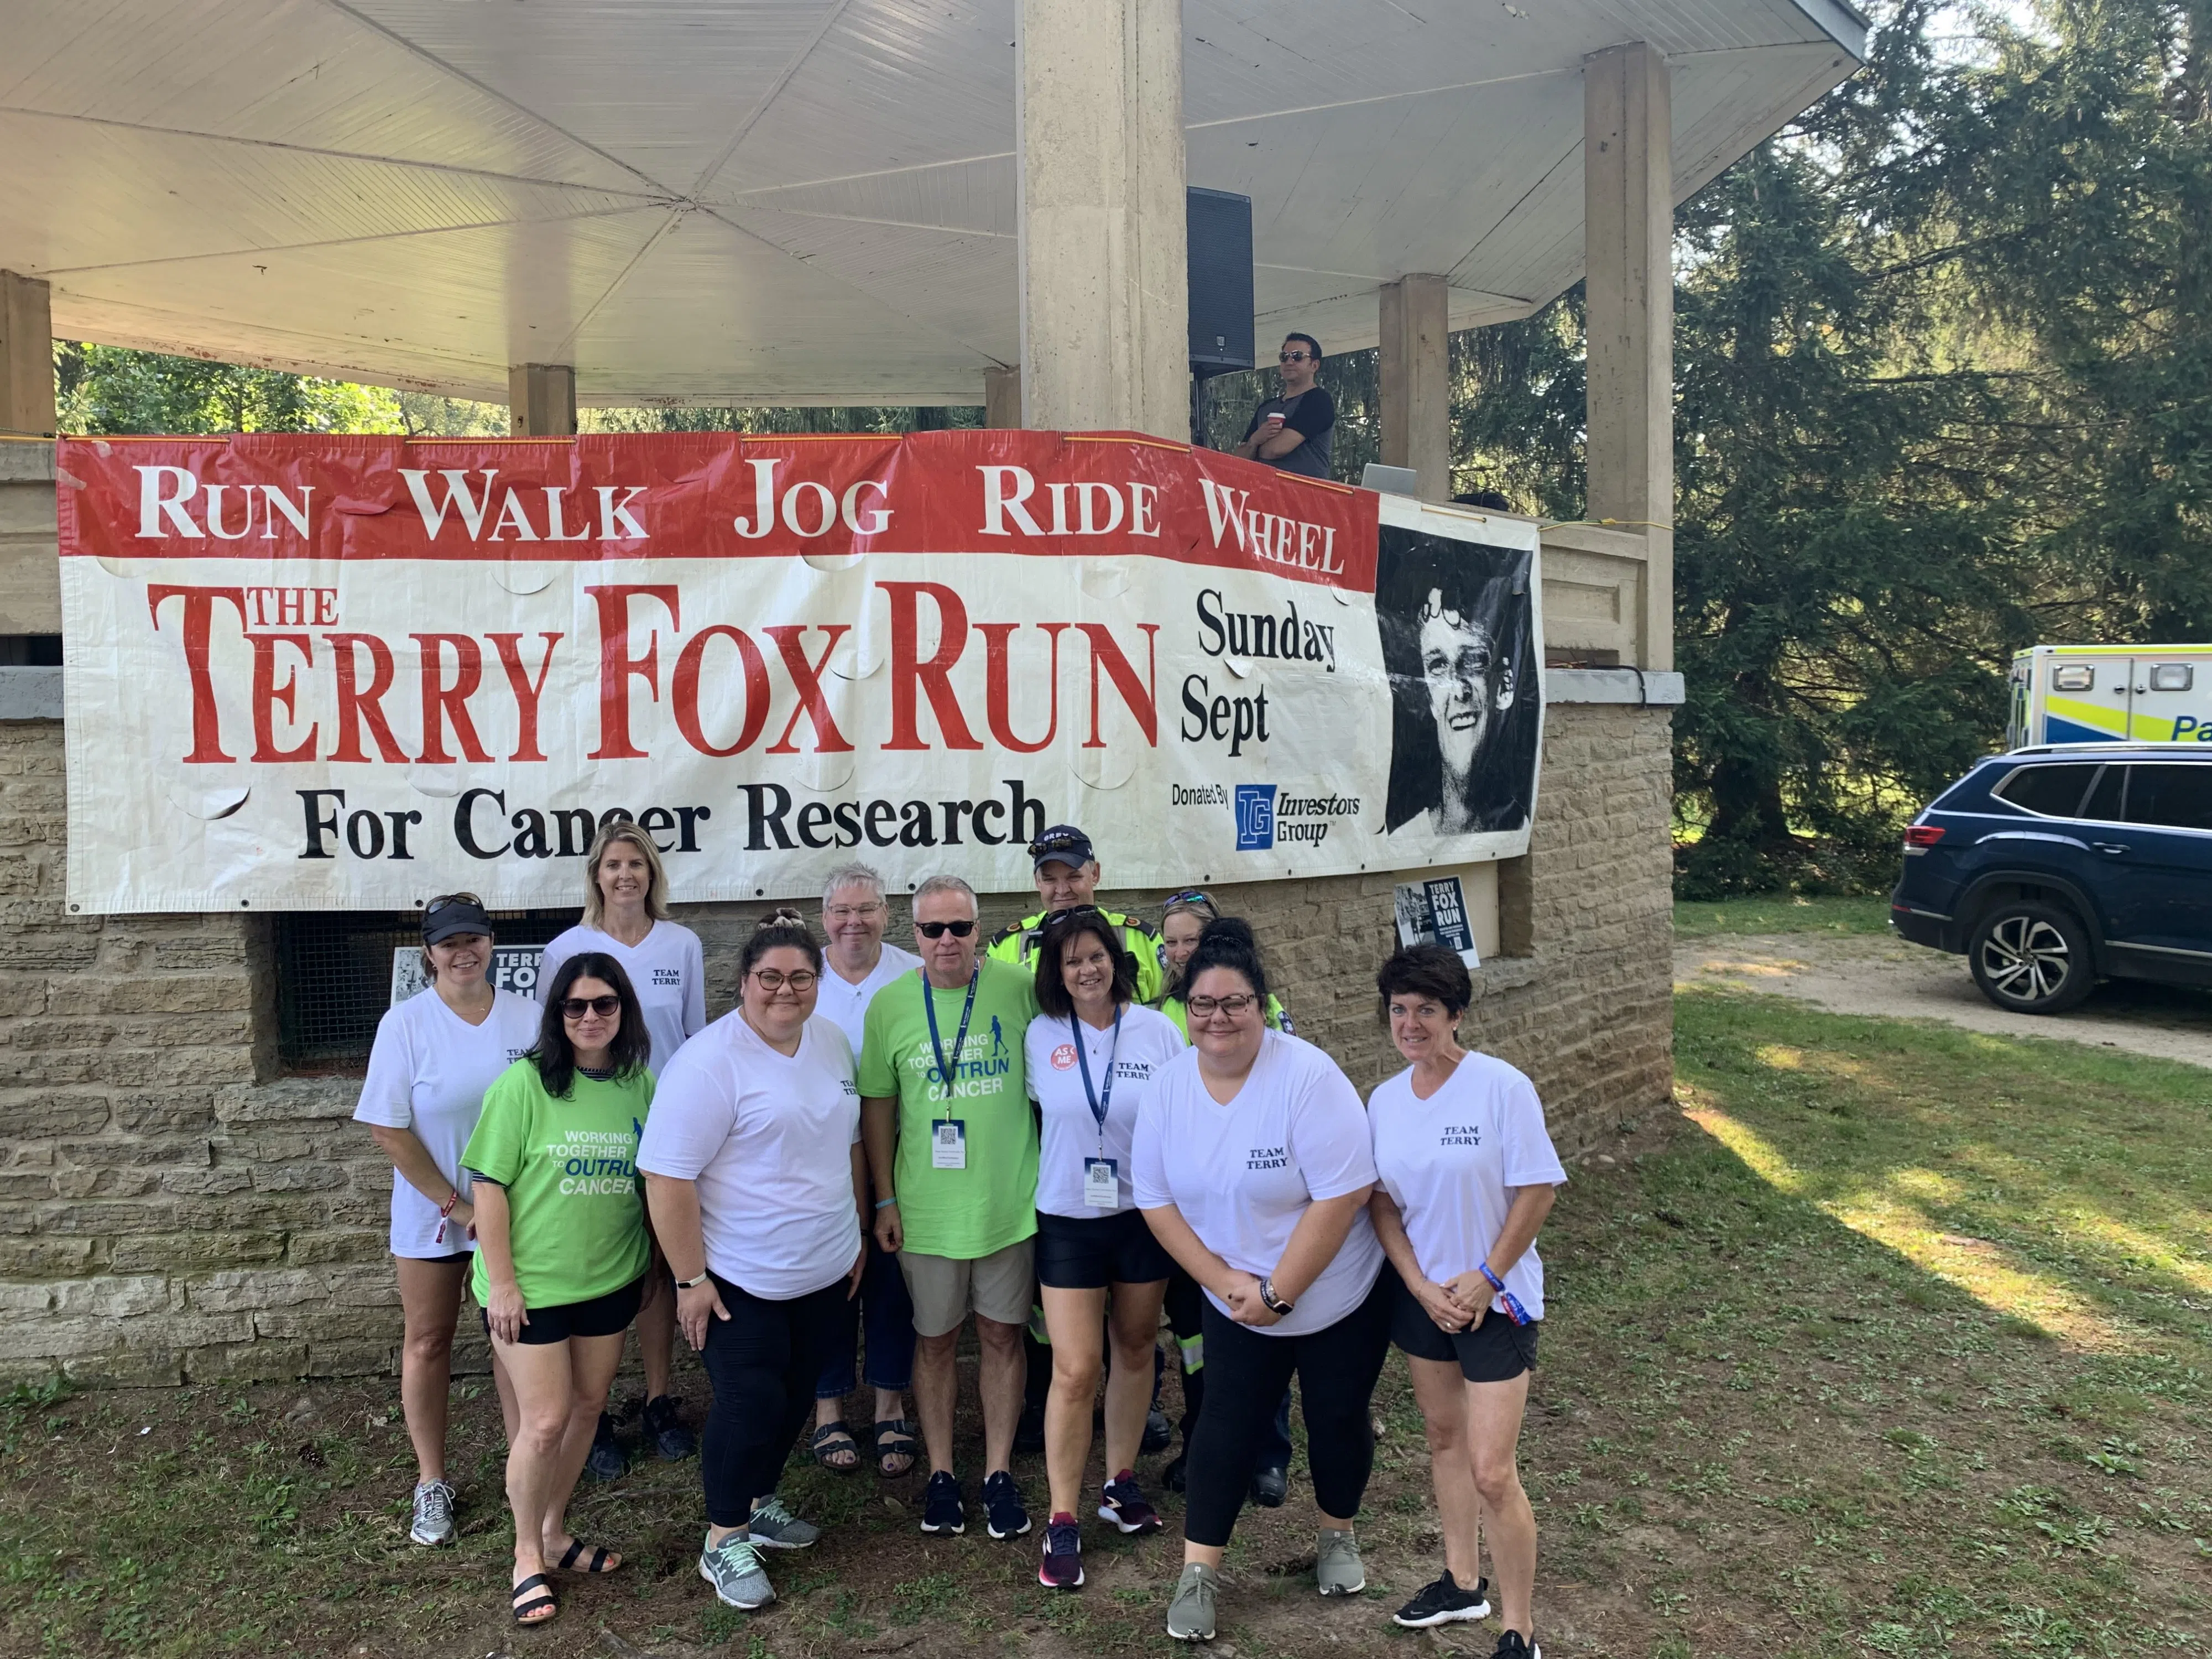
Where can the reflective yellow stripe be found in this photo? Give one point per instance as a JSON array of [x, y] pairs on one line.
[[1193, 1353]]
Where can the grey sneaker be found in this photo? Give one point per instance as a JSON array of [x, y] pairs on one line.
[[1336, 1564], [1190, 1615], [433, 1514], [734, 1568], [775, 1528]]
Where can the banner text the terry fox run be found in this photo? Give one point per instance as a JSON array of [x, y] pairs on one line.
[[308, 673]]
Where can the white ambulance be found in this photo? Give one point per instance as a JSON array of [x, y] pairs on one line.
[[2096, 693]]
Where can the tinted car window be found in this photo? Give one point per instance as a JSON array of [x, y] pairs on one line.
[[2053, 790], [2104, 802], [2178, 796]]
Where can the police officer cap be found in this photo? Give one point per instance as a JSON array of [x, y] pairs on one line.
[[1062, 844]]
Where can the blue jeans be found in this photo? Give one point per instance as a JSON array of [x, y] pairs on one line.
[[888, 1313]]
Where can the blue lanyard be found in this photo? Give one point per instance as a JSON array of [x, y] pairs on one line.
[[1100, 1104], [960, 1039]]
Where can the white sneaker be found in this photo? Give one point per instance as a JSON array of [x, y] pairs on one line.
[[433, 1514]]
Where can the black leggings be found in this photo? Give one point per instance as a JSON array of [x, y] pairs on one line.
[[1247, 1372], [764, 1361]]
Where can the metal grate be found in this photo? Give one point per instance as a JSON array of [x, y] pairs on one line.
[[334, 975]]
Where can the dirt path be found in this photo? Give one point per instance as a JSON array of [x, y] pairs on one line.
[[1875, 974]]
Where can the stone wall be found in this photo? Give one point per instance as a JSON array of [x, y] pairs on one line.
[[171, 1209]]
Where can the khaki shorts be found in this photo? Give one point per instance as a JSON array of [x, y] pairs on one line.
[[999, 1285]]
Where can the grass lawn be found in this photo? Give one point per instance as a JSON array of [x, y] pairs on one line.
[[1781, 913], [1894, 1340]]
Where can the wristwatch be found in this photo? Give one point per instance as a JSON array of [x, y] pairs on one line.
[[693, 1283], [1274, 1304]]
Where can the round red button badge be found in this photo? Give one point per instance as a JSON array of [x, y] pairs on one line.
[[1063, 1058]]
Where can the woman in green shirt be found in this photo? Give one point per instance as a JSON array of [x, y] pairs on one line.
[[562, 1249]]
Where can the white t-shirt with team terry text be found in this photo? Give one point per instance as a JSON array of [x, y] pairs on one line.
[[1243, 1175], [846, 1004], [1449, 1163], [767, 1138], [1147, 1042], [428, 1071], [667, 969]]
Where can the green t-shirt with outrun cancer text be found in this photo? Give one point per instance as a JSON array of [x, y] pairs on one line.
[[960, 1214], [576, 1214]]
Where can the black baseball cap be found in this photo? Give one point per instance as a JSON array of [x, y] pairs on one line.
[[443, 921], [1062, 844]]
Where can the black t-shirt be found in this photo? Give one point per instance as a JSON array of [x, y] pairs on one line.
[[1313, 413]]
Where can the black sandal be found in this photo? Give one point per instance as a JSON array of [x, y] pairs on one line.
[[825, 1444], [602, 1560], [893, 1437], [543, 1598]]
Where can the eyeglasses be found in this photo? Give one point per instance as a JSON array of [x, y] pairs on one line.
[[1292, 356], [577, 1007], [1204, 1007], [939, 929], [835, 913], [772, 980]]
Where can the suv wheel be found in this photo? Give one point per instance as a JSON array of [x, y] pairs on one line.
[[2032, 958]]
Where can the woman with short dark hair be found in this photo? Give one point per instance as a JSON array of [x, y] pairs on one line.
[[1467, 1174], [1252, 1167], [1091, 1054], [562, 1249], [435, 1056], [756, 1175]]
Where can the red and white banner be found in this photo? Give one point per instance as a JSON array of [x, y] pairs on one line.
[[308, 673]]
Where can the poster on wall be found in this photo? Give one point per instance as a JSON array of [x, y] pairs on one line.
[[309, 672]]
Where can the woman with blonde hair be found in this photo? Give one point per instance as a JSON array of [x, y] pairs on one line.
[[626, 917]]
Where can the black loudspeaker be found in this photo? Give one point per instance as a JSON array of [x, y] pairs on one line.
[[1220, 266]]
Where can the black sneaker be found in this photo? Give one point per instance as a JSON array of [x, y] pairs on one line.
[[1270, 1487], [1004, 1512], [1158, 1432], [1029, 1432], [671, 1441], [941, 1508], [1511, 1646], [1124, 1503], [1444, 1604], [606, 1461]]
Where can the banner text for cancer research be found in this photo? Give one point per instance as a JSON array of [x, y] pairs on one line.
[[308, 673]]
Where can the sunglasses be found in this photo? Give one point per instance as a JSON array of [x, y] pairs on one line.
[[1055, 844], [1292, 356], [1192, 895], [939, 929], [577, 1007]]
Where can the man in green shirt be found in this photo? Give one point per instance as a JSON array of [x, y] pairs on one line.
[[1067, 875], [952, 1152]]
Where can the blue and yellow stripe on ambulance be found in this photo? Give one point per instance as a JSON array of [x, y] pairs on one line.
[[2072, 720]]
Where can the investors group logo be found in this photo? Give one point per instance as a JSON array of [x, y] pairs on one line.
[[1256, 817]]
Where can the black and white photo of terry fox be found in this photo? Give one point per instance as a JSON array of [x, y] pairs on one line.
[[1456, 624]]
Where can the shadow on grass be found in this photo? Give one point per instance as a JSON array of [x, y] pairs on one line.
[[2055, 1182]]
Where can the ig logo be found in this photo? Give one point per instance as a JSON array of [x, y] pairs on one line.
[[1256, 817]]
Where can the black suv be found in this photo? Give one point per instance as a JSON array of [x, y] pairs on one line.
[[2054, 867]]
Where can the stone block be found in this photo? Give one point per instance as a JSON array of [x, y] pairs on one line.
[[258, 1361], [250, 1289], [354, 1357], [340, 1244], [174, 1252], [52, 1114]]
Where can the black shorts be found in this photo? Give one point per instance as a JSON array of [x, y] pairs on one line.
[[1095, 1251], [602, 1315], [1496, 1350]]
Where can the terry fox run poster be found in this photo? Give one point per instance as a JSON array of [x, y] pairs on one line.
[[308, 673]]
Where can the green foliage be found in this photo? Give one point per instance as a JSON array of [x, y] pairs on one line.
[[104, 391]]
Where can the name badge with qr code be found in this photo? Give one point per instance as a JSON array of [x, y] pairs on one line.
[[1101, 1190], [948, 1144]]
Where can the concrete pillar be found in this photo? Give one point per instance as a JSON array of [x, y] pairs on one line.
[[1002, 397], [1628, 195], [1416, 382], [27, 356], [541, 400], [1104, 286]]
